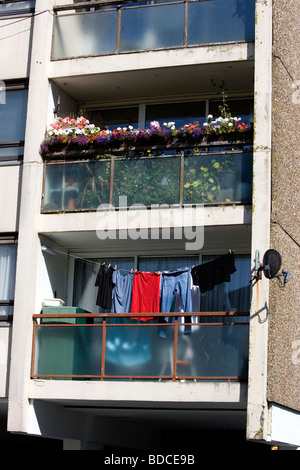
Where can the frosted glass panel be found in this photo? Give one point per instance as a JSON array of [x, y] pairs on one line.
[[67, 350], [85, 34], [152, 27], [213, 351], [138, 350]]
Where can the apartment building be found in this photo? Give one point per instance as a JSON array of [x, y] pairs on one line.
[[143, 148]]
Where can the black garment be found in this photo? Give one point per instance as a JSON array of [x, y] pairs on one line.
[[105, 284], [214, 272]]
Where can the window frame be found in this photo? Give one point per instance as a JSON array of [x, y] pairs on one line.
[[11, 86], [8, 239]]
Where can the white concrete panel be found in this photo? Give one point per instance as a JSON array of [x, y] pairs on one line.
[[10, 185]]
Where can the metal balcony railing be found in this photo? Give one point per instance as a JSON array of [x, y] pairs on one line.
[[206, 346], [114, 27]]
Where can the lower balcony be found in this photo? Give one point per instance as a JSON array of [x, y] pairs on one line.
[[207, 346]]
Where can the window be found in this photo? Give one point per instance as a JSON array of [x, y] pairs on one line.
[[15, 8], [112, 118], [13, 107], [8, 256], [181, 112]]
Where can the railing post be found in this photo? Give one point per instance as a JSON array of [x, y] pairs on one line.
[[175, 349], [103, 347]]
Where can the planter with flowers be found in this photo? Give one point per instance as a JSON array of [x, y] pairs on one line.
[[76, 135]]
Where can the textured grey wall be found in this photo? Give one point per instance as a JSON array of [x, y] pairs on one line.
[[284, 312]]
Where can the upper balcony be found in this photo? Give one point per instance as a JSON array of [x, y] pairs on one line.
[[92, 170], [114, 27]]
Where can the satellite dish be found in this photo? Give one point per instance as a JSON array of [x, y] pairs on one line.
[[271, 263]]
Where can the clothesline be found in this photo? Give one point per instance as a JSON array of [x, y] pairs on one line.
[[157, 271], [144, 292], [98, 264]]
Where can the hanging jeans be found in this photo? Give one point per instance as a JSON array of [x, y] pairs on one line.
[[176, 282]]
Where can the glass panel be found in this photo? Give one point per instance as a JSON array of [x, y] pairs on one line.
[[213, 351], [77, 185], [95, 33], [217, 178], [152, 27], [233, 295], [8, 257], [13, 116], [147, 181], [221, 21], [180, 113], [138, 350], [67, 350]]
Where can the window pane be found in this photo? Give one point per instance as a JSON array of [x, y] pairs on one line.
[[114, 117], [170, 263], [180, 113], [14, 8], [8, 256], [11, 153], [242, 108], [13, 116]]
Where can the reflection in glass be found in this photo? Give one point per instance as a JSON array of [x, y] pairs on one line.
[[91, 33], [217, 178], [221, 21], [77, 185], [152, 27], [147, 181]]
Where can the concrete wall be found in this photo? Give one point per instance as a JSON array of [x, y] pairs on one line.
[[284, 329], [15, 37]]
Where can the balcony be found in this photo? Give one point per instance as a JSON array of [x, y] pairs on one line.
[[208, 346], [122, 27], [222, 176]]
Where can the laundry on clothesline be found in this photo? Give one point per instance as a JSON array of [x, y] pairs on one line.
[[214, 272], [154, 292]]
